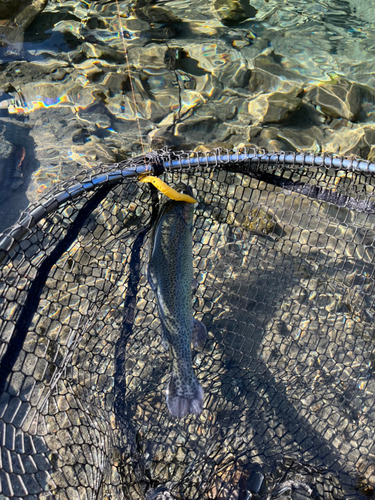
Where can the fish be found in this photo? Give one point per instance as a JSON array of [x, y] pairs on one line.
[[170, 275]]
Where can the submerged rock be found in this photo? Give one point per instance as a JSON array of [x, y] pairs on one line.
[[259, 220], [371, 155], [161, 137], [269, 75], [208, 147], [269, 138], [281, 106], [301, 138], [20, 73], [6, 149], [147, 11], [276, 107], [350, 139], [18, 16], [338, 100], [17, 161], [96, 51], [9, 9], [287, 138], [198, 129], [233, 11]]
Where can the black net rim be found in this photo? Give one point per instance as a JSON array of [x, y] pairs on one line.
[[157, 163]]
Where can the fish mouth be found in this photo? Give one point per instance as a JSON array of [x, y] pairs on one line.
[[184, 189]]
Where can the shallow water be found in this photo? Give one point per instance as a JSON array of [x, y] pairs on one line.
[[285, 283], [291, 75]]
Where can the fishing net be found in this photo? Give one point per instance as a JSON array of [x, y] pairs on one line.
[[283, 249]]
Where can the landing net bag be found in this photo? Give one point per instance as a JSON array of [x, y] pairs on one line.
[[283, 250]]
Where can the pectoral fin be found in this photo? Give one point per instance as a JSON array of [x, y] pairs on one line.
[[151, 277], [164, 342], [199, 333]]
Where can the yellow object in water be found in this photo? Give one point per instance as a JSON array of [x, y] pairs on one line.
[[165, 189]]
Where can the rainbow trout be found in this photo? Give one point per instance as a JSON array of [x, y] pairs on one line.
[[170, 274]]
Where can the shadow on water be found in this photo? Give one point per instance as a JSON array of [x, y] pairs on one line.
[[31, 304], [17, 163], [256, 402], [124, 407]]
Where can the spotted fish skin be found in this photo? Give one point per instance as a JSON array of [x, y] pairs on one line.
[[170, 274]]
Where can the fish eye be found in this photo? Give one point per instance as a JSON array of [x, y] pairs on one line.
[[185, 190]]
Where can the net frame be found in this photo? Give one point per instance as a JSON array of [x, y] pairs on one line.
[[157, 162]]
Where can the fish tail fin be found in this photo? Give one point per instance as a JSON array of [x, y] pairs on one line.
[[184, 400]]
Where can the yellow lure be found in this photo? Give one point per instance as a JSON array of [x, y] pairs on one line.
[[165, 189]]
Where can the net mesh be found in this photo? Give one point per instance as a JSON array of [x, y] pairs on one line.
[[283, 257]]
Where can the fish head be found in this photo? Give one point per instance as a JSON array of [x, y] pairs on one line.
[[181, 209], [186, 209], [184, 189]]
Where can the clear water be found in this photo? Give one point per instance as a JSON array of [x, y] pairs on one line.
[[198, 80]]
